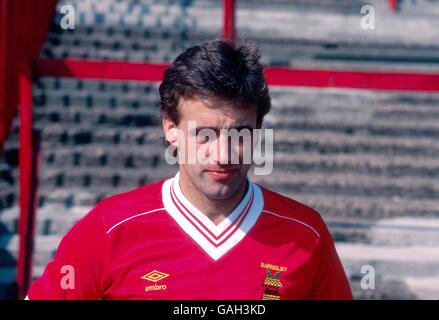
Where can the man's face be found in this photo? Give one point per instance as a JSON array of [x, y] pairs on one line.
[[218, 171]]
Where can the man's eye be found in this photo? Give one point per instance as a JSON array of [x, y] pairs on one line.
[[205, 135], [202, 138]]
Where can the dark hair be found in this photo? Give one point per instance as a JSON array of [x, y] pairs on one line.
[[216, 70]]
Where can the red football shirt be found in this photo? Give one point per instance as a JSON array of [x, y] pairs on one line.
[[152, 243]]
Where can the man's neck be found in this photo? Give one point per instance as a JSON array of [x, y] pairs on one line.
[[215, 210]]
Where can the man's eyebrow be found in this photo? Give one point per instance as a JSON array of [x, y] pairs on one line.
[[198, 129]]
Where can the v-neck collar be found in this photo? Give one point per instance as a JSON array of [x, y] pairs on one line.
[[215, 240]]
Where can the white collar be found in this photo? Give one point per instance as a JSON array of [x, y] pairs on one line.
[[215, 240]]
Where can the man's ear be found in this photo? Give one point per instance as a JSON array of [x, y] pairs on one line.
[[170, 130]]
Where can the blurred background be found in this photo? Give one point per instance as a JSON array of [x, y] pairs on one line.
[[365, 156]]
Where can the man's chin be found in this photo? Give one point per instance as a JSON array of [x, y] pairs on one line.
[[219, 191], [215, 190]]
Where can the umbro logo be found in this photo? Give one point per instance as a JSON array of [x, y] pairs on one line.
[[155, 276]]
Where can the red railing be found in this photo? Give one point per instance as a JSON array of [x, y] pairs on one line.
[[28, 173], [229, 20], [276, 76]]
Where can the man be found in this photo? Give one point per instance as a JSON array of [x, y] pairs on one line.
[[209, 232]]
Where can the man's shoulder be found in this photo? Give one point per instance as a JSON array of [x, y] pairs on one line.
[[125, 205], [287, 209], [140, 196]]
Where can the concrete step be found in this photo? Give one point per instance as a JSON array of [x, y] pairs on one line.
[[365, 207], [350, 104], [351, 184], [375, 127], [151, 155], [407, 29], [51, 219], [89, 99], [380, 164], [328, 142], [412, 269], [356, 110], [403, 254], [99, 88], [116, 118], [100, 176], [44, 250], [100, 135], [412, 254], [399, 232]]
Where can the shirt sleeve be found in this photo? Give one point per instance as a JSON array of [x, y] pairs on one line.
[[329, 280], [77, 270]]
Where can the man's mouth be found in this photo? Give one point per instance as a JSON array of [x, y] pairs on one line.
[[222, 174]]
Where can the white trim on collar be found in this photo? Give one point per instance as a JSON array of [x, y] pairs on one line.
[[197, 225], [207, 223]]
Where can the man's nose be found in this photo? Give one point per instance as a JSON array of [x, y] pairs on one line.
[[224, 150], [221, 152]]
